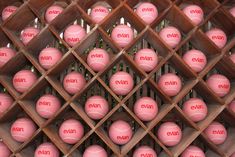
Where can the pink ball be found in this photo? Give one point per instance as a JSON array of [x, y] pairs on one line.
[[120, 132], [4, 150], [98, 59], [23, 80], [47, 105], [71, 131], [147, 12], [96, 107], [195, 109], [147, 59], [98, 13], [122, 35], [216, 132], [232, 106], [74, 82], [170, 84], [121, 83], [146, 108], [171, 36], [5, 102], [48, 57], [28, 34], [219, 84], [169, 133], [194, 13], [193, 151], [217, 36], [95, 151], [46, 150], [22, 129], [52, 12], [195, 60], [232, 57], [8, 11], [143, 151], [232, 11], [74, 34], [5, 55]]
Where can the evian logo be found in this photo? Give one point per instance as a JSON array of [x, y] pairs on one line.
[[148, 106], [225, 86], [54, 12], [123, 35], [69, 131], [20, 80], [97, 55], [3, 54], [172, 133], [71, 81], [121, 82], [122, 137], [199, 60], [10, 10], [44, 152], [46, 58], [28, 34], [147, 10], [146, 58], [94, 105], [195, 11], [218, 132], [146, 155], [44, 103], [196, 107], [18, 129], [100, 10], [73, 39], [218, 37], [172, 35], [171, 83]]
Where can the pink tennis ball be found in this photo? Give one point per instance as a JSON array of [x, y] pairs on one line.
[[121, 83], [147, 12], [74, 82], [22, 129], [193, 151], [4, 150], [195, 59], [98, 59], [232, 106], [95, 151], [48, 57], [146, 108], [98, 13], [232, 11], [5, 102], [122, 35], [146, 59], [216, 132], [195, 109], [5, 55], [74, 34], [46, 150], [120, 132], [171, 36], [170, 84], [144, 151], [96, 107], [71, 131], [23, 80], [8, 11], [194, 13], [169, 133], [52, 12], [232, 57], [217, 36], [47, 105], [28, 34], [219, 84]]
